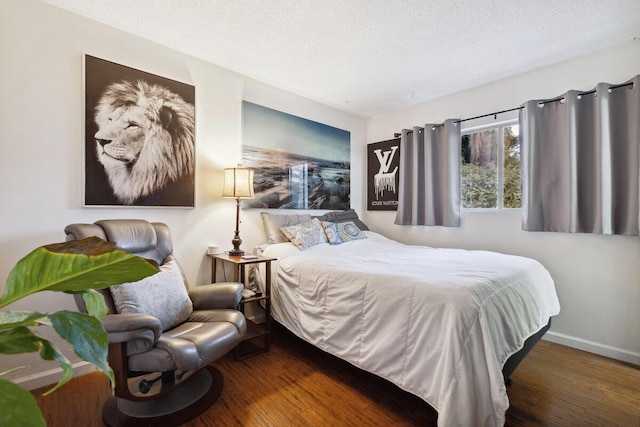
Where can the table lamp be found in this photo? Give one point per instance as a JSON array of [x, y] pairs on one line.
[[238, 183]]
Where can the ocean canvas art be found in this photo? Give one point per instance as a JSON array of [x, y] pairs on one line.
[[298, 163]]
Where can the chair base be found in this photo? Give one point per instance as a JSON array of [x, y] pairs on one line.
[[179, 406]]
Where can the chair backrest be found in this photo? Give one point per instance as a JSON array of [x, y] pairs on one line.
[[136, 236]]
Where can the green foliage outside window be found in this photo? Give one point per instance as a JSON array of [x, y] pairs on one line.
[[512, 181], [478, 186], [479, 169]]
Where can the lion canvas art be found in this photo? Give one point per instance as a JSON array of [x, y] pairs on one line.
[[140, 138]]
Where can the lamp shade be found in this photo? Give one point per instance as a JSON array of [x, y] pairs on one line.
[[238, 183]]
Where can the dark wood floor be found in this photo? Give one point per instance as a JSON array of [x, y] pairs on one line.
[[297, 385]]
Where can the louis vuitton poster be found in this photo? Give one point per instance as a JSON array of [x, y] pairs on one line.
[[383, 163]]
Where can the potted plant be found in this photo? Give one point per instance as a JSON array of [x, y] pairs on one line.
[[79, 266]]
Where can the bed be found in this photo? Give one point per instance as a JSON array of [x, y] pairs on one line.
[[439, 323]]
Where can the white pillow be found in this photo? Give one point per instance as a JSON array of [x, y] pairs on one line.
[[305, 234], [162, 295], [273, 222], [280, 250]]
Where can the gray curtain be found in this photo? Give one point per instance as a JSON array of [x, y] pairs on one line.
[[429, 185], [581, 161]]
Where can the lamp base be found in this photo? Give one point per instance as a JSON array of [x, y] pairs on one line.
[[237, 241]]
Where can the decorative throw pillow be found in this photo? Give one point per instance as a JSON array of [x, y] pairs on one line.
[[344, 216], [272, 224], [162, 295], [341, 232], [332, 232], [305, 234]]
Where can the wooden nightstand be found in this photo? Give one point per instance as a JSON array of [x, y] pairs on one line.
[[248, 347]]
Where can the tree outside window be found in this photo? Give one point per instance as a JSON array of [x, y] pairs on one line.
[[490, 169]]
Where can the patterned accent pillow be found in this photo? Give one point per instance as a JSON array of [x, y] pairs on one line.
[[305, 234], [341, 232], [162, 295]]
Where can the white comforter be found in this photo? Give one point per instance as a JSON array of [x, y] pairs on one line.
[[439, 323]]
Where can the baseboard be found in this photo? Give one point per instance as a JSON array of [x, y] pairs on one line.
[[52, 376], [593, 347]]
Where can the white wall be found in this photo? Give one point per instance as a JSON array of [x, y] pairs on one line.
[[41, 146], [597, 277]]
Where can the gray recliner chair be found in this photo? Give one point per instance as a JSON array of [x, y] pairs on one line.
[[163, 336]]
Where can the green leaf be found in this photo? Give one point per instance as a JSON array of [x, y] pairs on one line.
[[19, 340], [12, 319], [76, 265], [88, 337], [23, 340], [94, 302], [50, 352], [18, 407]]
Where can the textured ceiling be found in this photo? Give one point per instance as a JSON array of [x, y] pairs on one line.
[[373, 56]]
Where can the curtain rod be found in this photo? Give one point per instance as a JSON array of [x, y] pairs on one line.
[[495, 114], [561, 98], [487, 115], [398, 135]]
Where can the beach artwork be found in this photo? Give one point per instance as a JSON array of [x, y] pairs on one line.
[[298, 163]]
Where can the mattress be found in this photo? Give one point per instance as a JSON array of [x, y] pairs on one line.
[[438, 323]]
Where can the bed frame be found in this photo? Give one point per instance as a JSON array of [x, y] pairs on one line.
[[512, 363]]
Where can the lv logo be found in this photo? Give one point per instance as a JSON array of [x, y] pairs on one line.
[[385, 180]]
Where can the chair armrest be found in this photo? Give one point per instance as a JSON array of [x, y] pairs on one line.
[[216, 295], [141, 328]]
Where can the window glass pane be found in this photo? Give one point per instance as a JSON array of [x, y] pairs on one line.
[[512, 188], [479, 178]]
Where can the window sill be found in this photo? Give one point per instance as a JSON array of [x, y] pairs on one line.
[[490, 210]]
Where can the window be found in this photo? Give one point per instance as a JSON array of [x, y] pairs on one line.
[[490, 169]]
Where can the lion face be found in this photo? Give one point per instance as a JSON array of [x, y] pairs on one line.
[[145, 138], [122, 137]]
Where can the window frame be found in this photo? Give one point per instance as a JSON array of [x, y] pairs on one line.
[[499, 160]]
